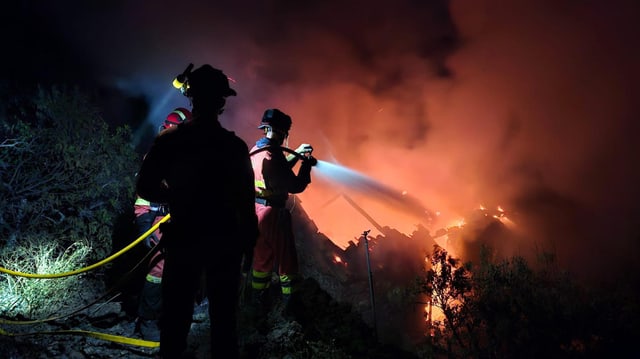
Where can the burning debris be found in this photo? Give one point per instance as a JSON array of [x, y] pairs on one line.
[[378, 285]]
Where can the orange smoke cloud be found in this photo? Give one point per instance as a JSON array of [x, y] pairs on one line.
[[526, 104]]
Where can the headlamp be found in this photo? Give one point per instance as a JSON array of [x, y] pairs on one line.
[[181, 81]]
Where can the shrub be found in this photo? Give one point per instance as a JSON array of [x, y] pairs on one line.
[[505, 309], [63, 171], [66, 178], [41, 297]]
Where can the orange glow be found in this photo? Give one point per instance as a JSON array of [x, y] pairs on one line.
[[460, 223], [507, 222], [433, 314]]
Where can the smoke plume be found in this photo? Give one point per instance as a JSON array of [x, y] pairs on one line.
[[528, 105]]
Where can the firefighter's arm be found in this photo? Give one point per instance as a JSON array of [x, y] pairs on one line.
[[150, 183], [281, 176], [304, 150], [298, 183], [304, 173]]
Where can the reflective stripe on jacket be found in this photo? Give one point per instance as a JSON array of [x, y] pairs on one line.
[[142, 202]]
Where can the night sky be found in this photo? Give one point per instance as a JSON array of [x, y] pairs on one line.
[[530, 105]]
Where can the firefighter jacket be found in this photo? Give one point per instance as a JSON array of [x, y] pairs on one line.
[[203, 172], [146, 217], [274, 176]]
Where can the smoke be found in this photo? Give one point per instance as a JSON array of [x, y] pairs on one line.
[[529, 105]]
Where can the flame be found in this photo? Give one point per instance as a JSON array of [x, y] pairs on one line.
[[433, 315], [338, 260]]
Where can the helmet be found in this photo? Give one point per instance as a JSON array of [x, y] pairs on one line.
[[276, 119], [176, 117], [207, 81]]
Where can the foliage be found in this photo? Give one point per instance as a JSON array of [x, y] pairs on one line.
[[449, 285], [38, 297], [63, 171], [504, 309], [65, 178]]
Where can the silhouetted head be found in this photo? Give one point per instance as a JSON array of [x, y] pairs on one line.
[[208, 82], [275, 120], [208, 88]]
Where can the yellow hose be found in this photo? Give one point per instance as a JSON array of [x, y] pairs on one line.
[[95, 265], [97, 335]]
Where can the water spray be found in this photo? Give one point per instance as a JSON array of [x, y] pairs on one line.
[[360, 183], [356, 181], [364, 214]]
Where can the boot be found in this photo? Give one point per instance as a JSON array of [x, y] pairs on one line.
[[258, 310], [260, 304], [293, 307], [149, 330]]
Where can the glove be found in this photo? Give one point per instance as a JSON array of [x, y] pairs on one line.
[[304, 149]]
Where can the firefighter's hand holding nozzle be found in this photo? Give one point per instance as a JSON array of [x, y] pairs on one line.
[[303, 152], [306, 150]]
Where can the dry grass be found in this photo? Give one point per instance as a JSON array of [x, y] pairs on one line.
[[39, 297]]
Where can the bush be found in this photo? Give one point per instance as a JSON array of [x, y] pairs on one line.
[[41, 297], [505, 309], [63, 171], [66, 179]]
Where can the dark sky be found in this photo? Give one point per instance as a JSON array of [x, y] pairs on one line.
[[531, 105]]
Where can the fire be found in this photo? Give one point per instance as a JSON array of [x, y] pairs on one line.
[[433, 315], [448, 237], [459, 223], [501, 215], [506, 221]]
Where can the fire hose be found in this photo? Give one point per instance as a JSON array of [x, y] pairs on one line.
[[307, 157], [95, 265], [93, 334], [98, 335]]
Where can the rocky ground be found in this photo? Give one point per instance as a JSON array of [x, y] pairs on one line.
[[336, 298], [325, 329]]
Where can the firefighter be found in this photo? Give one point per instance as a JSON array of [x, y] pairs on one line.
[[203, 171], [275, 179], [147, 214]]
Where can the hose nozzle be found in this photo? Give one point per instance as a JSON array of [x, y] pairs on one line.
[[310, 159]]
